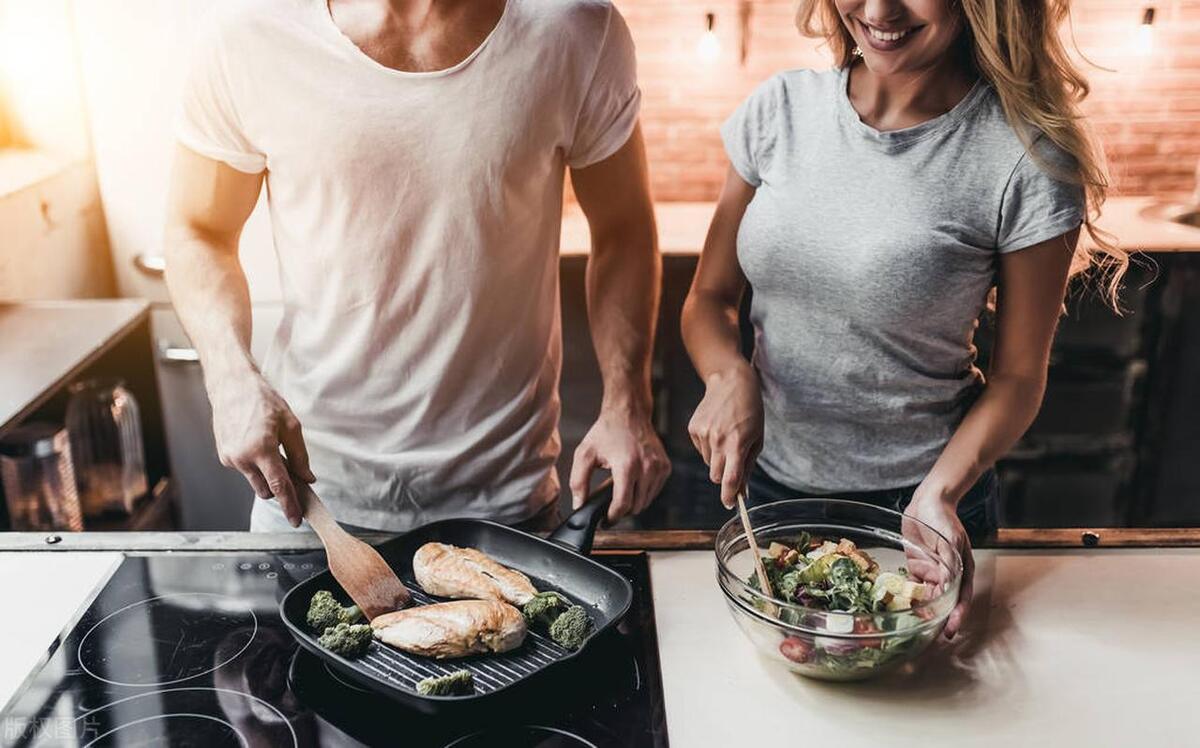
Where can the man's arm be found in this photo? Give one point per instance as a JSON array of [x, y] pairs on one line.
[[208, 205], [623, 273]]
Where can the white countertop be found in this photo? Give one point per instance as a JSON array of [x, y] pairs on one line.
[[1126, 218], [1074, 647], [54, 588], [682, 227], [1058, 652]]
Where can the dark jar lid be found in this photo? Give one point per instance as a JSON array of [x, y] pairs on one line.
[[34, 439]]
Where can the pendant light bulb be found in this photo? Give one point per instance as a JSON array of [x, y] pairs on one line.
[[708, 48], [1144, 42]]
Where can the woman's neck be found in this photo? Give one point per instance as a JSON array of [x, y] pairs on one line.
[[899, 100]]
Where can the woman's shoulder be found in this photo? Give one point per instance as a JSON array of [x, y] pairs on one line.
[[1013, 142], [801, 81], [1033, 178], [1026, 154], [789, 87]]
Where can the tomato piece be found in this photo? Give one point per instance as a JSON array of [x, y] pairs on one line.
[[864, 626], [796, 649]]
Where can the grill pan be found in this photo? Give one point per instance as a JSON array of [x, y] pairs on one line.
[[555, 563]]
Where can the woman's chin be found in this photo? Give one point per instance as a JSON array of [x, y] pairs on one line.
[[884, 64]]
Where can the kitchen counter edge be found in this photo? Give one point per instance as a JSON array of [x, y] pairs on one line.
[[653, 540]]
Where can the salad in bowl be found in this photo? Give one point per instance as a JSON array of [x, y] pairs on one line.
[[846, 602]]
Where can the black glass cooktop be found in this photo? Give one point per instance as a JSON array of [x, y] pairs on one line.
[[188, 650]]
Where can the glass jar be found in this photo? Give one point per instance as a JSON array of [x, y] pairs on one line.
[[106, 443], [38, 479]]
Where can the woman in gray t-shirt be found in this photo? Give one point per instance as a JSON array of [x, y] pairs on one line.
[[872, 208]]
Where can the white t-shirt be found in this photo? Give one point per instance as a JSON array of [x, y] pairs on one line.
[[416, 219]]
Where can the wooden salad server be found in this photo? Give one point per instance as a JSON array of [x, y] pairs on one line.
[[764, 582]]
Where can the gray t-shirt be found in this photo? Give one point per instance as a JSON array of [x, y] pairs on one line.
[[870, 255]]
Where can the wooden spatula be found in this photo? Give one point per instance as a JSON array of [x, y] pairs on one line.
[[764, 582], [358, 567]]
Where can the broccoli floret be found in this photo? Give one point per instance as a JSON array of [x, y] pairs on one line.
[[454, 684], [326, 612], [544, 609], [572, 627], [347, 639]]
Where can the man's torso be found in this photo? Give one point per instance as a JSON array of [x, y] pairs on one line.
[[416, 219]]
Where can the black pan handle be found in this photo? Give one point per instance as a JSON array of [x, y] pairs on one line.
[[579, 530]]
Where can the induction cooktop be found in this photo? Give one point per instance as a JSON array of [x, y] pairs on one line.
[[188, 650]]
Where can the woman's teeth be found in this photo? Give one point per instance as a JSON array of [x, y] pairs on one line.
[[888, 36]]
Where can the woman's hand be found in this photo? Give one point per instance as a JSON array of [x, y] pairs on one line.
[[727, 427], [941, 514]]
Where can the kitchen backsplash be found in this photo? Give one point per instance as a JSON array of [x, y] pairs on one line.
[[1145, 107]]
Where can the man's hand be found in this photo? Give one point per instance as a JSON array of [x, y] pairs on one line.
[[627, 446], [727, 428], [940, 513], [251, 422], [623, 273]]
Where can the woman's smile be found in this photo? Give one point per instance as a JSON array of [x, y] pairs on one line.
[[886, 39]]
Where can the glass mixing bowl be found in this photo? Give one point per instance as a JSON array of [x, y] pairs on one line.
[[832, 645]]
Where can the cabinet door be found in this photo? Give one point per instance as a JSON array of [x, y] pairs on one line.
[[1171, 480], [211, 496]]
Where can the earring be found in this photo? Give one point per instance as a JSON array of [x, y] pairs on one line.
[[857, 51]]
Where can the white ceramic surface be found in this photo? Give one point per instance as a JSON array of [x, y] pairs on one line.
[[1064, 648]]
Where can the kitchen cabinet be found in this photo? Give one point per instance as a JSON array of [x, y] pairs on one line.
[[1114, 441], [46, 346], [1170, 451]]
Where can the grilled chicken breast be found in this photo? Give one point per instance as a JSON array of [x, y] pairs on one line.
[[453, 629], [450, 571]]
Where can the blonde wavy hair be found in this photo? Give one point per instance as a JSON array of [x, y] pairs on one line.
[[1015, 46]]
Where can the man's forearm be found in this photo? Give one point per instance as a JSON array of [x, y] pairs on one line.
[[623, 278], [209, 292]]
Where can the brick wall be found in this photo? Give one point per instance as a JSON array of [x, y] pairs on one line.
[[1147, 112]]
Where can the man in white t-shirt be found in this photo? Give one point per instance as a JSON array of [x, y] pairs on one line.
[[414, 153]]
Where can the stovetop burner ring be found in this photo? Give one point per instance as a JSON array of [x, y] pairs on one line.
[[82, 658], [160, 691], [550, 737], [241, 738]]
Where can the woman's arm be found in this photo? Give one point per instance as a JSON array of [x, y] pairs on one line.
[[727, 425], [1029, 298]]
